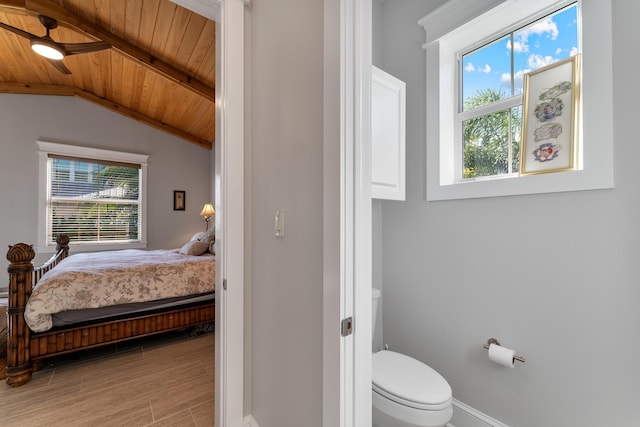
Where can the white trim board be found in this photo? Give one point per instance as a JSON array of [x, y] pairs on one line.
[[466, 416], [208, 9], [355, 212], [229, 204]]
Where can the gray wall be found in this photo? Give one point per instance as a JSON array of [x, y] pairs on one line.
[[286, 150], [458, 272], [174, 164]]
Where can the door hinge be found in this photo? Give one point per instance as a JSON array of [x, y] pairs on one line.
[[346, 326], [224, 284]]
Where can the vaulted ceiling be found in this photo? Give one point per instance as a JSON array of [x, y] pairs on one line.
[[160, 69]]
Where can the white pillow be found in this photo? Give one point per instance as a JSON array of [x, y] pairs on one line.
[[201, 236], [194, 247], [205, 236]]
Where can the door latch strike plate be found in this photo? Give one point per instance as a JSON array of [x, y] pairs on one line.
[[346, 326]]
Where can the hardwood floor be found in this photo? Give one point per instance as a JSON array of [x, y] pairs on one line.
[[160, 381]]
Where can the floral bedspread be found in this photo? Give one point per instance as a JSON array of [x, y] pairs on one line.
[[100, 279]]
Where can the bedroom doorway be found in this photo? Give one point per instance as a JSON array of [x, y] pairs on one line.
[[228, 182]]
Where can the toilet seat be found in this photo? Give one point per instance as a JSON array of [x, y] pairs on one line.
[[409, 382]]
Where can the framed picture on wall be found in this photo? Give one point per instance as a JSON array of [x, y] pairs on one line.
[[179, 201], [550, 118]]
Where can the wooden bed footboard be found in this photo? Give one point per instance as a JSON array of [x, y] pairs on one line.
[[24, 346], [22, 277]]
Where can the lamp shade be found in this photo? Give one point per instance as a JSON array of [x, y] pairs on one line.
[[207, 210]]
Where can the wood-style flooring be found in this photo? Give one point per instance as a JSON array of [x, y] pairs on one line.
[[167, 380]]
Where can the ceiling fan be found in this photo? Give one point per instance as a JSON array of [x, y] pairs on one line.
[[54, 51]]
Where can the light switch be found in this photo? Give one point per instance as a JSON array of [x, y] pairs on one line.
[[278, 226]]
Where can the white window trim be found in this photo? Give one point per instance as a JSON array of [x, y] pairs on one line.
[[444, 26], [46, 148]]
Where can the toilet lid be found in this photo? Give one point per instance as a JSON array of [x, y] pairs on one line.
[[409, 382]]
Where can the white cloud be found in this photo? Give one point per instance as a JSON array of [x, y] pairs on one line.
[[517, 81], [574, 51], [519, 46], [539, 61], [521, 38], [558, 51], [543, 27], [470, 67], [505, 79]]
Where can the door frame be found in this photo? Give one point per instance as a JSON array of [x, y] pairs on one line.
[[350, 406], [229, 205]]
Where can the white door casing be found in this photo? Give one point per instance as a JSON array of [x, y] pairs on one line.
[[354, 391], [229, 205]]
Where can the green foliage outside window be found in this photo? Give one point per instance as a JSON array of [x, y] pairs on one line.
[[486, 139], [98, 207]]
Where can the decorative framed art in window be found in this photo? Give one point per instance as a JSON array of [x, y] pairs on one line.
[[550, 118]]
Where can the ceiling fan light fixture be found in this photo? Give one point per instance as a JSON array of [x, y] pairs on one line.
[[47, 49]]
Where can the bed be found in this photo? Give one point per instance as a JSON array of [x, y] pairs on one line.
[[47, 317]]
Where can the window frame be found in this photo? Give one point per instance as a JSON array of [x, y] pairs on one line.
[[45, 149], [457, 26]]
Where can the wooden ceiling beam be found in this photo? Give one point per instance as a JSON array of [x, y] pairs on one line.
[[59, 90], [13, 4], [36, 89], [66, 18]]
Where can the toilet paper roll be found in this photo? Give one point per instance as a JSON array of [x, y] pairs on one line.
[[501, 355]]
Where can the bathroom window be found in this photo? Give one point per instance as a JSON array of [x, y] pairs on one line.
[[477, 55], [489, 119]]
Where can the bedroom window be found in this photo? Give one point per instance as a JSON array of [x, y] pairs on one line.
[[94, 196], [476, 56]]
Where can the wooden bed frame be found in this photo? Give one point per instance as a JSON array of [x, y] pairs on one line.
[[26, 348]]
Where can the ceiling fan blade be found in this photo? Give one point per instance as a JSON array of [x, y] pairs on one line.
[[59, 66], [18, 31], [77, 48]]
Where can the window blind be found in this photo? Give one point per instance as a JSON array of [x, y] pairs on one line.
[[93, 200]]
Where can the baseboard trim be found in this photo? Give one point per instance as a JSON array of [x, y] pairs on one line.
[[249, 421], [463, 416], [466, 416]]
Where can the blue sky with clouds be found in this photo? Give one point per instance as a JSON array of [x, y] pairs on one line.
[[548, 40]]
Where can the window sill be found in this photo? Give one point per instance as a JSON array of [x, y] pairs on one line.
[[511, 185], [78, 247]]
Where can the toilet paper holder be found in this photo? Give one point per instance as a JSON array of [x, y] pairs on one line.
[[496, 342]]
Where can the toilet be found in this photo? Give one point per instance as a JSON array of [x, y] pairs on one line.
[[405, 391]]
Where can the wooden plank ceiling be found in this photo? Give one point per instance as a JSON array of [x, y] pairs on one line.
[[160, 69]]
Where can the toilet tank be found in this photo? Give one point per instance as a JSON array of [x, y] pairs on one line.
[[376, 294]]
